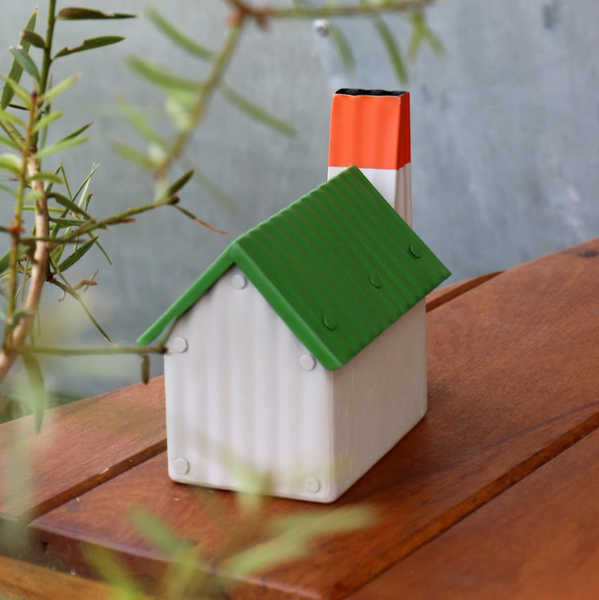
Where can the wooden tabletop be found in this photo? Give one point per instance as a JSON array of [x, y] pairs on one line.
[[493, 495]]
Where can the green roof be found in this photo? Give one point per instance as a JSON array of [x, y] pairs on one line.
[[339, 266]]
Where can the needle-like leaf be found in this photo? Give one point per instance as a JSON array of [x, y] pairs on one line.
[[91, 44], [60, 147], [393, 50], [17, 70], [59, 88], [343, 47], [178, 37], [76, 256], [38, 388], [26, 62], [155, 74], [35, 39], [256, 112], [84, 14]]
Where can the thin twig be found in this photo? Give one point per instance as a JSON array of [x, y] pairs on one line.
[[262, 14], [96, 351], [198, 110]]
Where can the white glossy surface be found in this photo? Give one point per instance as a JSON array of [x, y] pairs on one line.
[[379, 396], [238, 402], [241, 409]]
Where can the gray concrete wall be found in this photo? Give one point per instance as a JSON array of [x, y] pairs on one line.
[[505, 143]]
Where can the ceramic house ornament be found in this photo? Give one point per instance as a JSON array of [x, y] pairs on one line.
[[300, 353]]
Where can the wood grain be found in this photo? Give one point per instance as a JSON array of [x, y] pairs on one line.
[[81, 445], [513, 382], [446, 293], [537, 540], [21, 580]]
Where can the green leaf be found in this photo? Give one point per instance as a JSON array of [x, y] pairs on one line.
[[11, 163], [38, 388], [392, 48], [19, 91], [422, 32], [66, 222], [173, 188], [48, 176], [33, 38], [136, 118], [32, 196], [9, 142], [156, 531], [191, 216], [76, 133], [59, 147], [59, 88], [133, 155], [145, 369], [101, 249], [215, 191], [85, 186], [6, 189], [111, 570], [46, 120], [70, 260], [26, 62], [12, 132], [343, 47], [255, 111], [177, 36], [70, 205], [433, 41], [16, 70], [178, 113], [84, 14], [5, 258], [91, 44], [155, 74], [6, 116]]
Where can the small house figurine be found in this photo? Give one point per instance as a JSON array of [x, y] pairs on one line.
[[300, 353]]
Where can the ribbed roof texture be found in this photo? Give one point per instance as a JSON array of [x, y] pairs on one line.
[[370, 129], [339, 266]]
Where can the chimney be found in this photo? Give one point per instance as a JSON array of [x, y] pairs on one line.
[[371, 130]]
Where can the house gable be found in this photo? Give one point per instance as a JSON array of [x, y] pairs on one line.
[[339, 266]]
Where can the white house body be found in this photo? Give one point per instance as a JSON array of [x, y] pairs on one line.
[[314, 432], [298, 359]]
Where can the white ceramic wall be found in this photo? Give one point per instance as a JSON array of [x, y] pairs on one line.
[[379, 396], [239, 405]]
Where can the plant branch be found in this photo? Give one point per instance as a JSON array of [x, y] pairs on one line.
[[124, 217], [221, 62], [16, 333], [262, 14], [96, 351]]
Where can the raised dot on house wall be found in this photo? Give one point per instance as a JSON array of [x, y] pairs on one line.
[[307, 362], [239, 281]]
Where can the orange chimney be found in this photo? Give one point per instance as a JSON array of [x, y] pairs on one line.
[[371, 130]]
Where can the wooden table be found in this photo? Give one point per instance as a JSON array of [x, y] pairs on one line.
[[494, 495]]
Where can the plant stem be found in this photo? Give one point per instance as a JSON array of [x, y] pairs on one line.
[[96, 351], [198, 110], [262, 14], [124, 217], [15, 338], [47, 60]]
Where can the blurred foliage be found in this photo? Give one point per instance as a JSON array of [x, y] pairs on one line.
[[54, 228], [59, 214]]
